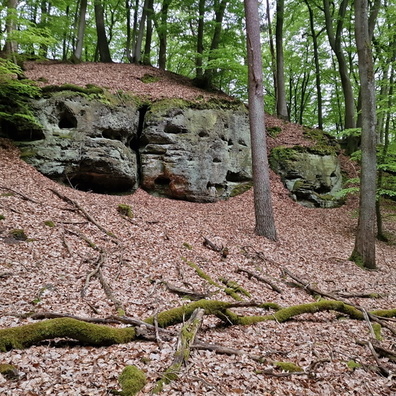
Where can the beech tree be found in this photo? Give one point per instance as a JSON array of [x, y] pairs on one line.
[[265, 223], [364, 251], [281, 106]]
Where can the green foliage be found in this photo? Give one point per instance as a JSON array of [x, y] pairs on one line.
[[15, 95]]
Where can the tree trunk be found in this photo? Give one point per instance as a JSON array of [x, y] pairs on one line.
[[11, 46], [281, 106], [335, 40], [364, 251], [80, 33], [265, 224], [216, 39], [162, 31], [103, 45], [200, 36], [149, 33], [137, 52], [272, 50], [317, 65]]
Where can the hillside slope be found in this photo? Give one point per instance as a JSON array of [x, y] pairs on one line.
[[48, 272]]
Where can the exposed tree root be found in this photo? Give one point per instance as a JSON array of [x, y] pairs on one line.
[[94, 334], [261, 279], [83, 211], [88, 333], [182, 354]]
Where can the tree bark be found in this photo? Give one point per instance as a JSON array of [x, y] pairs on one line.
[[200, 36], [317, 65], [103, 45], [149, 33], [364, 251], [162, 31], [137, 52], [281, 106], [80, 33], [11, 46], [265, 223], [335, 39]]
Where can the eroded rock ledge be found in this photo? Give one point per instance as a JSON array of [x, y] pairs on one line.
[[193, 151], [170, 148]]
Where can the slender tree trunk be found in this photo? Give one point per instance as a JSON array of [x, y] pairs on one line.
[[11, 46], [200, 37], [128, 45], [149, 33], [335, 40], [162, 31], [272, 50], [137, 52], [364, 251], [76, 58], [103, 45], [281, 106], [216, 39], [265, 224], [317, 65]]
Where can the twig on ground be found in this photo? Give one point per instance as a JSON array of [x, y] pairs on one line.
[[261, 279], [194, 295], [83, 211]]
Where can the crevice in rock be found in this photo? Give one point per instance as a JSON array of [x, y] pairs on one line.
[[236, 177], [136, 143]]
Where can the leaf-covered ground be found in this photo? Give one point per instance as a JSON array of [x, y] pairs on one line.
[[48, 271]]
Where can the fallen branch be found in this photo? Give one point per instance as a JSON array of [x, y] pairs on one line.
[[83, 211], [220, 249], [260, 278], [23, 196], [108, 291], [95, 334], [374, 316], [22, 337], [192, 294], [100, 262], [186, 339]]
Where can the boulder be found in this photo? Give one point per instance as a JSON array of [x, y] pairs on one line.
[[199, 155], [312, 177], [85, 142]]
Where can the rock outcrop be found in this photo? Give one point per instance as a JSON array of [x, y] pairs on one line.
[[87, 143], [199, 154], [311, 177], [170, 149]]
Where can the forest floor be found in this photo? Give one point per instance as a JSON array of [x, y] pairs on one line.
[[49, 273]]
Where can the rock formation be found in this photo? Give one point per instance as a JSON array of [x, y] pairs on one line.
[[171, 149]]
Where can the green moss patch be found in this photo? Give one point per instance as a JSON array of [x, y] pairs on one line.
[[88, 333], [125, 210], [132, 380]]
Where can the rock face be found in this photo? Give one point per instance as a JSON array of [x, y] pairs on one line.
[[86, 143], [311, 177], [200, 155], [180, 152]]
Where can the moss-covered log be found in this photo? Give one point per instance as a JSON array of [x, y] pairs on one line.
[[88, 333], [100, 335], [186, 339]]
